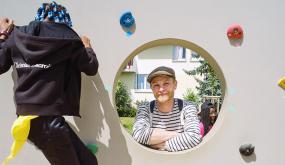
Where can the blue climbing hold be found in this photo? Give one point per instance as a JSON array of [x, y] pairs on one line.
[[127, 20]]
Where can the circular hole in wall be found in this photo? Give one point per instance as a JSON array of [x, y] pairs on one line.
[[198, 83]]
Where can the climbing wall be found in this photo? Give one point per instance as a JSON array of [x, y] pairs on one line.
[[249, 66]]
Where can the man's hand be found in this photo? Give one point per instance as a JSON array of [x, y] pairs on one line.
[[160, 146], [86, 41], [159, 136], [6, 26]]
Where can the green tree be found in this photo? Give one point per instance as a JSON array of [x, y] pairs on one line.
[[204, 74], [123, 101]]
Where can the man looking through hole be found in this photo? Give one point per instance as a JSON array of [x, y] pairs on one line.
[[167, 123]]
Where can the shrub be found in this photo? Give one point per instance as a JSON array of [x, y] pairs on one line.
[[139, 102], [123, 101], [191, 96]]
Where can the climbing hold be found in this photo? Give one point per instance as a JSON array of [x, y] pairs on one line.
[[235, 32], [232, 91], [92, 147], [232, 108], [108, 88], [235, 35], [281, 83], [246, 149], [127, 22]]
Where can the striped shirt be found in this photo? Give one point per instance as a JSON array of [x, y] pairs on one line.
[[185, 122]]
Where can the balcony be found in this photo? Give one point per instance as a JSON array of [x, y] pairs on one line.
[[131, 66]]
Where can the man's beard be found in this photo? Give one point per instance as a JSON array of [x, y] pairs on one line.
[[164, 98]]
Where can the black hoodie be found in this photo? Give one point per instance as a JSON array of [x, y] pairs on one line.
[[48, 58]]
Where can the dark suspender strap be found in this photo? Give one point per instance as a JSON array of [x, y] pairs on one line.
[[152, 103], [151, 106], [180, 104]]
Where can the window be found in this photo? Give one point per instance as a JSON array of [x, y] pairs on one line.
[[179, 53], [195, 57], [141, 81]]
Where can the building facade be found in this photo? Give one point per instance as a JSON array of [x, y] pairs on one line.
[[135, 73]]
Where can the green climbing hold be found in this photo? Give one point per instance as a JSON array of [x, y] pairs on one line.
[[92, 147]]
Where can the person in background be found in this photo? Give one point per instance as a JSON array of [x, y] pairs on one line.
[[167, 123], [48, 57], [208, 116]]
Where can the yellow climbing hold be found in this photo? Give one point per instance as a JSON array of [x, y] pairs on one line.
[[281, 83], [20, 132]]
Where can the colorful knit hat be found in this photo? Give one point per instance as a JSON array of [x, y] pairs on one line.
[[53, 12]]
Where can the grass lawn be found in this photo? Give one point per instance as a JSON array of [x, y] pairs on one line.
[[128, 123]]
